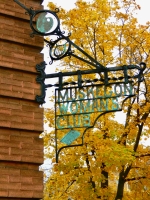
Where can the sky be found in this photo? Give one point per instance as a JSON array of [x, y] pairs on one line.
[[66, 4], [143, 14]]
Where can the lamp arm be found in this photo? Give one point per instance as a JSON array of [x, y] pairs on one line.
[[23, 6]]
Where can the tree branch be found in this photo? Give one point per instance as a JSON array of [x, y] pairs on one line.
[[124, 135], [135, 179], [142, 155], [69, 185]]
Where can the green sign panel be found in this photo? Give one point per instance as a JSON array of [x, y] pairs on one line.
[[70, 137], [74, 106]]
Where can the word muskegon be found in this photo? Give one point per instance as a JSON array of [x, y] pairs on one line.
[[75, 105]]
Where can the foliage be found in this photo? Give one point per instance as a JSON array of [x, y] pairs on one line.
[[112, 164]]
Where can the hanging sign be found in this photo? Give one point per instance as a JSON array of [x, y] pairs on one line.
[[74, 105]]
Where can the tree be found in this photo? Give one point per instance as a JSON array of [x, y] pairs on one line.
[[113, 163]]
